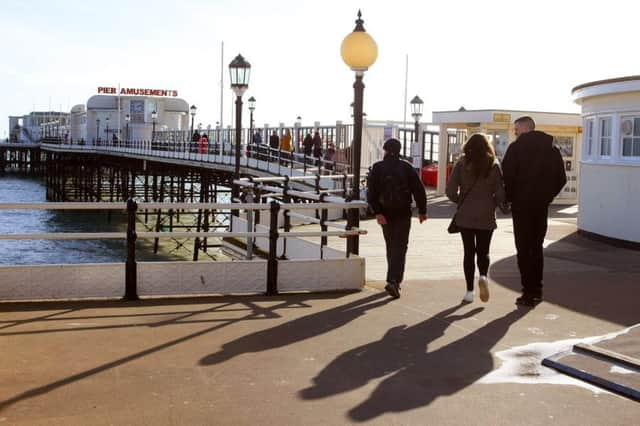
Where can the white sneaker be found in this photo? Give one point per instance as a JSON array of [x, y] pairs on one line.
[[483, 284], [468, 297]]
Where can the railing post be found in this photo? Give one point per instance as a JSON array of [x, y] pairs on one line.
[[323, 225], [272, 262], [131, 269]]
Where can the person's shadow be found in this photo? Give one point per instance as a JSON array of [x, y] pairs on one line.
[[297, 330], [421, 375]]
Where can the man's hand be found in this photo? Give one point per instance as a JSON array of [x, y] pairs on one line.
[[423, 217], [381, 219]]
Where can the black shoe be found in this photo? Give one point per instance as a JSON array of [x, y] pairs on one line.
[[393, 289], [529, 301]]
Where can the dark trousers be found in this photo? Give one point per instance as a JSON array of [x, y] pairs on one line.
[[476, 244], [529, 228], [396, 238]]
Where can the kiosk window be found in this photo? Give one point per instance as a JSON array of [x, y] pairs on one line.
[[605, 137], [588, 137], [630, 136]]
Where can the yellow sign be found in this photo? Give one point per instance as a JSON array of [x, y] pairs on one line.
[[500, 117]]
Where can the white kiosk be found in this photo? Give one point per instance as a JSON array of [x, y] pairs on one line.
[[610, 163]]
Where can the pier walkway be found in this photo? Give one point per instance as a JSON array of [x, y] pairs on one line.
[[334, 359]]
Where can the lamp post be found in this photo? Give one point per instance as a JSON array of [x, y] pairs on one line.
[[192, 111], [107, 130], [127, 118], [416, 113], [239, 70], [252, 106], [97, 130], [154, 116], [298, 126], [359, 51]]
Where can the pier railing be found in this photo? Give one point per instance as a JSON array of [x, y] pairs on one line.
[[272, 234], [254, 156]]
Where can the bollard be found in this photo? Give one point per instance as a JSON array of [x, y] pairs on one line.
[[323, 225], [131, 269], [272, 262]]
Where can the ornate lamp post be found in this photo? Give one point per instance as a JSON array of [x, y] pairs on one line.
[[252, 106], [298, 126], [416, 113], [239, 70], [359, 51], [154, 116], [192, 111], [127, 119], [107, 130], [97, 130]]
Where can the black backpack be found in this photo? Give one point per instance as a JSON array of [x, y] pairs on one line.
[[395, 193]]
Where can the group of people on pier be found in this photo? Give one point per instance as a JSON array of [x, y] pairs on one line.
[[531, 175]]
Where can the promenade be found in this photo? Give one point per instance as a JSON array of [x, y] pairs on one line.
[[333, 359]]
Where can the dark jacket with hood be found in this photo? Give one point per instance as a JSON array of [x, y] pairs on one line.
[[533, 170], [405, 182]]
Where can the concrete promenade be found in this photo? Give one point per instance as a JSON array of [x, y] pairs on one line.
[[334, 359]]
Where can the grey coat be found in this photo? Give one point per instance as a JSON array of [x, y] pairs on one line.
[[478, 210]]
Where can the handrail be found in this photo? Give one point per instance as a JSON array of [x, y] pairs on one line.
[[131, 235]]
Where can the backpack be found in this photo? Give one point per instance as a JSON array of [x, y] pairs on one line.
[[395, 193]]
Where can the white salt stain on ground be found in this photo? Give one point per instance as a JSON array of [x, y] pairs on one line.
[[551, 317], [523, 364], [621, 370]]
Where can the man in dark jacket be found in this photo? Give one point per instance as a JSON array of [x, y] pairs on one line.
[[533, 175], [392, 182]]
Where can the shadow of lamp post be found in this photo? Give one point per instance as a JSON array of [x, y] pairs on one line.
[[359, 51]]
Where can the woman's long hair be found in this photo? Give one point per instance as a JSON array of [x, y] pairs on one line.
[[479, 155]]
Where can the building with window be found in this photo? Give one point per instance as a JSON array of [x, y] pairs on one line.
[[36, 125], [610, 162], [498, 125], [131, 114]]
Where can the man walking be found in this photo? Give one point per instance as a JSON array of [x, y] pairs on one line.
[[392, 184], [533, 175]]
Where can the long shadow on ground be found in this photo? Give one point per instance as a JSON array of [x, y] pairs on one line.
[[420, 375], [589, 277]]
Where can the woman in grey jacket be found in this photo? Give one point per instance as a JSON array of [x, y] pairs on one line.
[[477, 179]]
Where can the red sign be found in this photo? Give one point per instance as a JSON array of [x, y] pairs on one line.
[[137, 92]]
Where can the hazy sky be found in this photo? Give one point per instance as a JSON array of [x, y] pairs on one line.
[[480, 54]]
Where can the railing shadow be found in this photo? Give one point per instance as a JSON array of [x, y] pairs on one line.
[[254, 312]]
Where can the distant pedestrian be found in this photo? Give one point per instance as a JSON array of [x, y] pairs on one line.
[[195, 137], [274, 140], [317, 145], [391, 185], [329, 156], [285, 146], [476, 186], [533, 175], [307, 145]]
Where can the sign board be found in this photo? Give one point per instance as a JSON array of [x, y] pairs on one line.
[[499, 117], [128, 91]]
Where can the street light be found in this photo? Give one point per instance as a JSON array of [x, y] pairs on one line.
[[107, 130], [416, 113], [192, 110], [127, 119], [298, 126], [359, 51], [252, 106], [154, 116], [239, 70], [97, 130]]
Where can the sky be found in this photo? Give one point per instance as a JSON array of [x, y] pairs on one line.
[[490, 54]]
